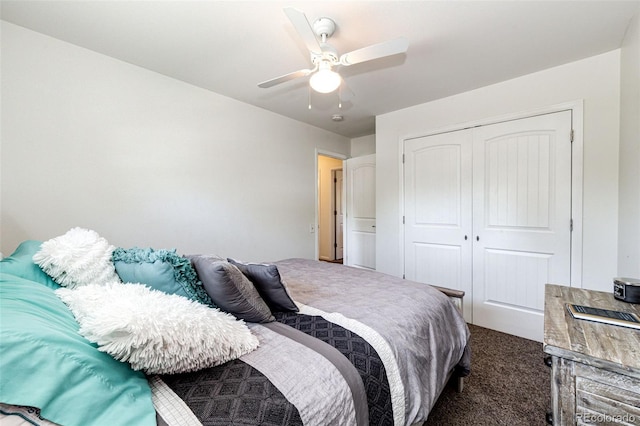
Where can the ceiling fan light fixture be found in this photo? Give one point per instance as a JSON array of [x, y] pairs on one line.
[[325, 80]]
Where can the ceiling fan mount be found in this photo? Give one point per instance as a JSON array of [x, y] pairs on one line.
[[324, 28], [325, 57]]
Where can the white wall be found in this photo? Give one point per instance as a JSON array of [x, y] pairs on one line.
[[629, 227], [147, 160], [596, 80], [364, 145]]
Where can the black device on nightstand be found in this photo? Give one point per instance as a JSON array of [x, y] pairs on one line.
[[627, 289]]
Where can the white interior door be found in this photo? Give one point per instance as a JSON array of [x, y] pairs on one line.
[[521, 220], [360, 175], [437, 185]]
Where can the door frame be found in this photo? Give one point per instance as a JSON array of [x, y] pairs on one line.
[[324, 153], [577, 175], [334, 207]]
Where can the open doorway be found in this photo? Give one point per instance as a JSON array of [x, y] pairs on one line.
[[330, 215]]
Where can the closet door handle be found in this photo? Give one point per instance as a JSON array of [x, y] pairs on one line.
[[477, 238], [465, 238]]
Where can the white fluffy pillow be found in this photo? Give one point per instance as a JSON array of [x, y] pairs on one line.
[[77, 258], [156, 332]]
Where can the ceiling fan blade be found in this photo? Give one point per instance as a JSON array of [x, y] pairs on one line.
[[283, 78], [375, 51], [302, 26]]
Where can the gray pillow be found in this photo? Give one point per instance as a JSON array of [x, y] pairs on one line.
[[266, 279], [230, 290]]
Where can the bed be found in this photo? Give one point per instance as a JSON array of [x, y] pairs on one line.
[[357, 348]]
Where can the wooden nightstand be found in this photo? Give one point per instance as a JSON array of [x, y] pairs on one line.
[[595, 368]]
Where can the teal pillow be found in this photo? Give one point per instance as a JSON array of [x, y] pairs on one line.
[[46, 363], [163, 270], [21, 264]]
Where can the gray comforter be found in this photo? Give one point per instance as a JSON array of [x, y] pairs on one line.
[[416, 331]]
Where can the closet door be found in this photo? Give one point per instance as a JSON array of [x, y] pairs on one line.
[[488, 211], [521, 220], [437, 185]]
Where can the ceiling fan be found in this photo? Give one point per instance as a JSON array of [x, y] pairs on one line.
[[324, 57]]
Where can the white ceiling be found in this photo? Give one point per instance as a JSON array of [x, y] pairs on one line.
[[228, 47]]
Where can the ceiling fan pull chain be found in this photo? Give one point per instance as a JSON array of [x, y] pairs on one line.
[[309, 90]]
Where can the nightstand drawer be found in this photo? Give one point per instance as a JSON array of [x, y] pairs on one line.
[[604, 397]]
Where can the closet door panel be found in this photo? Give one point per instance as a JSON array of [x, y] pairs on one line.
[[521, 220], [437, 186]]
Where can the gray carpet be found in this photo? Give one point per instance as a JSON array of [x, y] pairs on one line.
[[509, 384]]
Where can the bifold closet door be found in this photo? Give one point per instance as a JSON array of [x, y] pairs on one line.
[[521, 220], [488, 211], [437, 186]]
